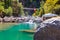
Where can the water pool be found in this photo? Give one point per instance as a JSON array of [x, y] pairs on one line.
[[14, 33]]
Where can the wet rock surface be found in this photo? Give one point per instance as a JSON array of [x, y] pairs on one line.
[[48, 30]]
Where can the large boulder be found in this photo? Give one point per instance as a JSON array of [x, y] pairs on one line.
[[48, 30]]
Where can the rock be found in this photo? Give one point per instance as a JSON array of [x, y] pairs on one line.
[[49, 30]]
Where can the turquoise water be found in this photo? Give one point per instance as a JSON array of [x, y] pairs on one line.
[[14, 33]]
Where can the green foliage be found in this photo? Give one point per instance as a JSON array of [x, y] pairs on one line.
[[8, 11], [48, 6], [1, 3], [21, 9], [1, 8], [36, 13], [39, 11], [7, 3], [57, 7]]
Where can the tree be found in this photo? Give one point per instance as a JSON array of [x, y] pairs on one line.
[[49, 5], [7, 3], [8, 11], [39, 11], [21, 9]]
